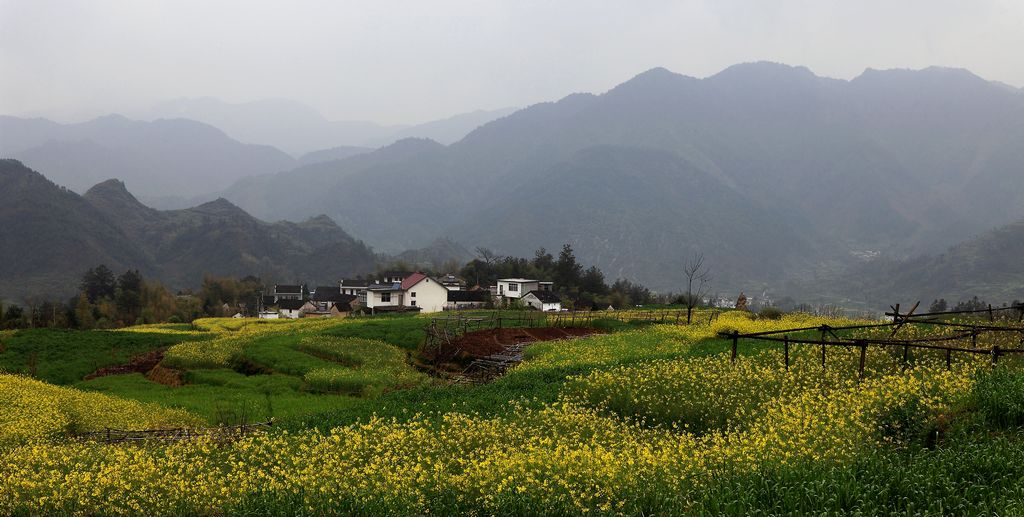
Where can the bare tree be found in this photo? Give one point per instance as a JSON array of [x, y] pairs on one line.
[[696, 273], [485, 254]]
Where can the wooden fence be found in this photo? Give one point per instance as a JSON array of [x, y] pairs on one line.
[[964, 336]]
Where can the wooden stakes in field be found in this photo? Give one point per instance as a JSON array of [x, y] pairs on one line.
[[785, 350]]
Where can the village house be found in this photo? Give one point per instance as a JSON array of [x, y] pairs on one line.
[[328, 300], [509, 289], [354, 287], [460, 299], [516, 288], [424, 292], [288, 292], [543, 300], [451, 282], [392, 277], [291, 309]]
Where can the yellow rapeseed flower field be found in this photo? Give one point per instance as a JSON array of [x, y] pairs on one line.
[[641, 430]]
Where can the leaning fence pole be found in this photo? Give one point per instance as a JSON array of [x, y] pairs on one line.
[[785, 350], [823, 327], [735, 341], [863, 356]]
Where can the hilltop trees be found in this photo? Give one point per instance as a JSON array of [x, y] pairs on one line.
[[577, 286]]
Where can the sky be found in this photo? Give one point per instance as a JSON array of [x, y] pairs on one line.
[[412, 61]]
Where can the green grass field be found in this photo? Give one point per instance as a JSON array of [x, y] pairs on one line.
[[643, 420], [65, 356]]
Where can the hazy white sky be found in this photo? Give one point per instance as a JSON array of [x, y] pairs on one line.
[[411, 61]]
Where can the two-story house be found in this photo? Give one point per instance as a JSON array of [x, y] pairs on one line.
[[415, 292]]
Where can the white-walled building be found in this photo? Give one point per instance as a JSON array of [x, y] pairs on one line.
[[543, 300], [290, 308], [424, 292], [384, 297], [516, 287], [417, 292]]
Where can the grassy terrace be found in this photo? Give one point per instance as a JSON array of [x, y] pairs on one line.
[[645, 420]]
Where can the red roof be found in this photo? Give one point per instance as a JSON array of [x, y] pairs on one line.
[[412, 280]]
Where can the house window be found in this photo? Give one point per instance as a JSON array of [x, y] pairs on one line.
[[412, 294], [512, 288], [413, 303], [385, 297]]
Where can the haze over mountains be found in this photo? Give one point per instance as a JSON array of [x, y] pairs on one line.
[[772, 172], [766, 168], [299, 129]]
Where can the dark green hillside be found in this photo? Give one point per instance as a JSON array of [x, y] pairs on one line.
[[642, 209], [218, 238], [50, 235]]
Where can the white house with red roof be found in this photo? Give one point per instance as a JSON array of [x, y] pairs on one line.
[[424, 292], [416, 292]]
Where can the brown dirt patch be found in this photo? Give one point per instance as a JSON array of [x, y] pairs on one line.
[[138, 364], [165, 376], [483, 343]]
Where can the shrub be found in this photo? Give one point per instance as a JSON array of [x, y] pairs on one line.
[[770, 313]]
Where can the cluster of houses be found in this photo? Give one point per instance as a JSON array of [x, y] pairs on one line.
[[402, 291]]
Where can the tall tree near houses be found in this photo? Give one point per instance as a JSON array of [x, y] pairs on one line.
[[567, 270], [697, 277]]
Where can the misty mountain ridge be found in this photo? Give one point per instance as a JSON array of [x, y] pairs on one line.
[[899, 162], [160, 158], [300, 129]]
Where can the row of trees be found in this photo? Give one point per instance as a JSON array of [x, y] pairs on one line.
[[106, 300], [578, 286]]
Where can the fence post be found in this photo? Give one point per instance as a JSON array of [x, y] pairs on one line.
[[906, 352], [949, 358], [735, 341], [995, 355], [990, 316], [863, 356], [785, 349], [823, 327]]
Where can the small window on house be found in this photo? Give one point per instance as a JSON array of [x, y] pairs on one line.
[[413, 303], [513, 287], [412, 294], [385, 297]]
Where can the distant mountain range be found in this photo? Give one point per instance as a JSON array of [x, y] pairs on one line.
[[174, 161], [769, 170], [300, 129], [160, 158], [787, 182], [49, 236]]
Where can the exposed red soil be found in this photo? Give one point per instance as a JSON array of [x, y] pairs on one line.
[[165, 376], [138, 364], [483, 343]]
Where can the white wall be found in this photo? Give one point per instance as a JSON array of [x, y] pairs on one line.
[[523, 288], [430, 296], [373, 299]]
